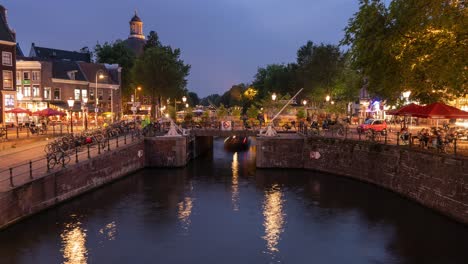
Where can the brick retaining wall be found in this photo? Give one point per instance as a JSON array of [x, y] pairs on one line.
[[47, 191]]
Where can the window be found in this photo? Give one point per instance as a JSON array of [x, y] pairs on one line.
[[57, 94], [36, 91], [77, 94], [71, 75], [84, 93], [36, 75], [7, 58], [18, 77], [27, 91], [47, 93], [26, 77], [9, 101], [8, 80], [91, 94]]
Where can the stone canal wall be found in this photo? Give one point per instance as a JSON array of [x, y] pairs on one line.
[[56, 187], [436, 181]]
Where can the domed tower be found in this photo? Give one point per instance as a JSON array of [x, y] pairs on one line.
[[136, 40], [136, 27]]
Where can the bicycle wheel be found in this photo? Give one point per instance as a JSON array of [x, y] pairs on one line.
[[51, 161]]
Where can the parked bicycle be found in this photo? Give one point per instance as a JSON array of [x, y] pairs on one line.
[[57, 158]]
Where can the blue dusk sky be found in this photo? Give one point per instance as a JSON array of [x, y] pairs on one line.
[[225, 41]]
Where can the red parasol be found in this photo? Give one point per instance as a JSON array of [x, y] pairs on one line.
[[441, 111], [407, 110], [18, 111], [49, 112]]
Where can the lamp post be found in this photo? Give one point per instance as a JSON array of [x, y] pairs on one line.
[[96, 101], [85, 115], [71, 102], [134, 108], [327, 98], [273, 97]]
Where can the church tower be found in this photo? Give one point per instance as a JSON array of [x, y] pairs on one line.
[[136, 27], [136, 40]]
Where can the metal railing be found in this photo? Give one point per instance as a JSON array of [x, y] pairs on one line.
[[449, 146], [53, 162]]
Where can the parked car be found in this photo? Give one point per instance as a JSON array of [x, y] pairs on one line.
[[378, 125]]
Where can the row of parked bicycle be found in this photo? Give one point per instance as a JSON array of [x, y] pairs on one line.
[[58, 151]]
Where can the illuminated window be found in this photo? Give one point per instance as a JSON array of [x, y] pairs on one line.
[[77, 94], [47, 93], [8, 80], [27, 91], [84, 93], [9, 101], [7, 58], [36, 91]]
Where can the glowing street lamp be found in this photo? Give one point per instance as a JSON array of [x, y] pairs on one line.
[[406, 94], [273, 97], [304, 102], [71, 103], [100, 76], [184, 99], [327, 98]]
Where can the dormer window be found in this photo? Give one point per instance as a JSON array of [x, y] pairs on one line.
[[72, 75]]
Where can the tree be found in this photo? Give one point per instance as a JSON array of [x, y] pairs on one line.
[[162, 73], [318, 67], [411, 45], [192, 99], [118, 53], [152, 40], [211, 99], [278, 78]]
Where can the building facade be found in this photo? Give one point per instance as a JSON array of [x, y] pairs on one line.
[[7, 68]]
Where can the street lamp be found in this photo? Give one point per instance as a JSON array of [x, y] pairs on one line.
[[71, 102], [134, 108], [327, 98], [184, 99], [85, 115], [273, 97], [96, 101], [406, 95], [304, 102]]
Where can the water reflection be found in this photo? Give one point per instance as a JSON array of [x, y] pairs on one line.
[[274, 217], [109, 231], [74, 244], [235, 182], [184, 212]]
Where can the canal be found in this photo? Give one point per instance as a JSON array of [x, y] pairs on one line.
[[221, 209]]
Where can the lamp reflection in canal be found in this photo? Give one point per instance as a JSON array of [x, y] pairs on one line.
[[74, 244], [109, 231], [184, 212], [235, 182], [274, 217]]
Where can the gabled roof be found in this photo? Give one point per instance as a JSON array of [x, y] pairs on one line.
[[61, 68], [6, 34], [56, 54], [91, 69]]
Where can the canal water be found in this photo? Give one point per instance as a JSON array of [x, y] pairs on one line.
[[221, 209]]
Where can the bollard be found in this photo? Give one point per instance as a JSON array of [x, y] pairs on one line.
[[125, 139], [11, 177], [117, 141], [76, 155], [386, 133], [17, 132], [410, 140], [108, 144], [398, 138], [53, 130], [359, 134], [89, 156], [99, 148], [30, 169], [27, 131]]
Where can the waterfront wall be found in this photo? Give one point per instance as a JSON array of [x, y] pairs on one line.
[[436, 181], [56, 187], [167, 151]]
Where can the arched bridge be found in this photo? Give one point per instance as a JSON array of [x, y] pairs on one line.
[[223, 133]]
